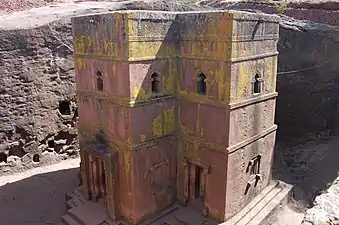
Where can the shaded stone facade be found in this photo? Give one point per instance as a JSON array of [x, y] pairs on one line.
[[175, 107]]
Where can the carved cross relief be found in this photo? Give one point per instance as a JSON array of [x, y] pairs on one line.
[[253, 168]]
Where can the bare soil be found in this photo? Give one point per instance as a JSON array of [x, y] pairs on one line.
[[37, 196]]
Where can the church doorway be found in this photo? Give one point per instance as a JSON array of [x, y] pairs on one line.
[[97, 178], [196, 187]]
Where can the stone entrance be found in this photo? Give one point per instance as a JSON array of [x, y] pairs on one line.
[[196, 175], [97, 183], [98, 175]]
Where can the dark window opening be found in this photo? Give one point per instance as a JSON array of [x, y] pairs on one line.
[[50, 143], [65, 108], [202, 84], [36, 158], [198, 188], [3, 157], [257, 84], [155, 83], [100, 82]]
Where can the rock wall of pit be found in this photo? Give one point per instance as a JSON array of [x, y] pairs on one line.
[[37, 98], [308, 79]]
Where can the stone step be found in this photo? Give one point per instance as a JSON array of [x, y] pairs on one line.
[[79, 195], [160, 214], [69, 220], [262, 206], [71, 204], [90, 213], [75, 199], [280, 200]]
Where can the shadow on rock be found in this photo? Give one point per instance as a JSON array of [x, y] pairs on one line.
[[38, 200], [311, 166]]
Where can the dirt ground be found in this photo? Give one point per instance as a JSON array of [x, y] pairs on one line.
[[37, 196]]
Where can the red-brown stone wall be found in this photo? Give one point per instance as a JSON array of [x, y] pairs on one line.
[[114, 80], [141, 78], [124, 184], [194, 121], [237, 165], [217, 74], [248, 121], [154, 177], [154, 120], [216, 178]]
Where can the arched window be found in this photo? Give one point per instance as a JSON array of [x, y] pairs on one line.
[[155, 83], [257, 84], [202, 84], [100, 82]]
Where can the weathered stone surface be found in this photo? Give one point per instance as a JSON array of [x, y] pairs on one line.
[[307, 79], [326, 207], [322, 11], [37, 81], [307, 74], [37, 88], [138, 115]]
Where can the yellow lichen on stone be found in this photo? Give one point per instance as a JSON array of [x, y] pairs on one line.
[[81, 44], [143, 138], [222, 81], [109, 48], [79, 64], [150, 49], [170, 82], [164, 123], [185, 130], [243, 81], [127, 165], [102, 48], [157, 126], [169, 120], [192, 155], [140, 93]]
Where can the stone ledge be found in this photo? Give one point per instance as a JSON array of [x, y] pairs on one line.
[[262, 206]]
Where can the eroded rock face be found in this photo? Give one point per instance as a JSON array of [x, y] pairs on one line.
[[326, 207], [37, 98], [308, 79], [321, 11]]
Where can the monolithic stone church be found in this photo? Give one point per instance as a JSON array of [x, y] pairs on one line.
[[176, 108]]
